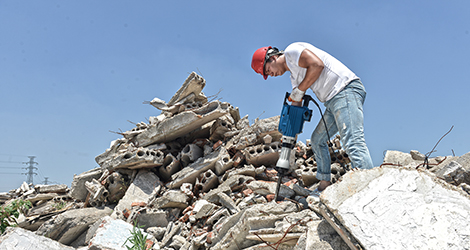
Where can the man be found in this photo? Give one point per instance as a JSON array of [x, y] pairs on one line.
[[336, 86]]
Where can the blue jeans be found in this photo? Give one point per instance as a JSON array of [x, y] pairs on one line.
[[343, 114]]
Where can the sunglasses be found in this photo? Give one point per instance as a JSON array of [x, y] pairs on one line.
[[271, 52]]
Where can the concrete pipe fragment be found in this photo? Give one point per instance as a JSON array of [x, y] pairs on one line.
[[221, 126], [310, 162], [98, 192], [190, 153], [169, 167], [223, 164], [308, 175], [187, 188], [117, 187], [208, 180], [193, 105]]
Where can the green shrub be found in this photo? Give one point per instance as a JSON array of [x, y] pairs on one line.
[[11, 212], [58, 205]]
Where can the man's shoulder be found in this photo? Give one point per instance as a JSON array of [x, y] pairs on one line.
[[293, 51]]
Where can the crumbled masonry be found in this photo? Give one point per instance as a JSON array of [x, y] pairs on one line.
[[199, 176]]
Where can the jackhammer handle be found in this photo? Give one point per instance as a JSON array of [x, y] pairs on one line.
[[286, 97], [306, 99]]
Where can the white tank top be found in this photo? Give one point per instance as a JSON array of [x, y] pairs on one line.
[[334, 77]]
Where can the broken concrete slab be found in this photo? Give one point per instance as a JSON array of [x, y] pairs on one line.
[[287, 229], [142, 189], [135, 158], [98, 192], [42, 197], [152, 218], [232, 233], [77, 189], [247, 170], [223, 164], [254, 134], [172, 230], [111, 234], [66, 227], [454, 173], [115, 147], [181, 124], [171, 198], [19, 238], [389, 208], [308, 175], [401, 159], [263, 154], [59, 188], [320, 235], [221, 127], [192, 85]]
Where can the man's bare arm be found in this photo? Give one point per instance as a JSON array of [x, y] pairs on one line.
[[314, 66]]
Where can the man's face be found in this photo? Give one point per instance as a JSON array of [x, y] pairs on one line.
[[273, 67]]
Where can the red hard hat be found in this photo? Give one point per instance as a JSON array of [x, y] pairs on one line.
[[259, 59]]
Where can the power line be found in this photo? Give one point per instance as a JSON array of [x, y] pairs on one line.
[[11, 162], [14, 155]]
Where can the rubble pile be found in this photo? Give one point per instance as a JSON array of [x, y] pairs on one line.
[[200, 176]]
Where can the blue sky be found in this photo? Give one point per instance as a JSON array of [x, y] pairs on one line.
[[72, 71]]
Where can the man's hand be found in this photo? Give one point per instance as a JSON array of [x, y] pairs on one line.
[[296, 95]]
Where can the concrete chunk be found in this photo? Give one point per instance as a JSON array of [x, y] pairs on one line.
[[265, 188], [135, 158], [190, 153], [152, 218], [169, 167], [250, 135], [61, 188], [193, 171], [42, 197], [142, 189], [18, 238], [172, 198], [389, 208], [192, 85], [77, 189], [181, 124], [263, 154], [66, 227], [223, 164], [454, 173], [111, 234]]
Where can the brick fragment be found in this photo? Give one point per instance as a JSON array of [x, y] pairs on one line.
[[138, 204], [247, 192]]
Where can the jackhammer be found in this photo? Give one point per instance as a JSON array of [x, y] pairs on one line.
[[290, 125]]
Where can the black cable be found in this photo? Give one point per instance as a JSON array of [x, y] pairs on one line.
[[327, 133]]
